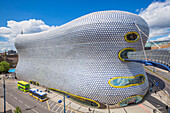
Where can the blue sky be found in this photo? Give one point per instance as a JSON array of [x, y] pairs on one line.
[[58, 12], [39, 15]]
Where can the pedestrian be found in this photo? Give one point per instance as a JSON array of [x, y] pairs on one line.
[[89, 108], [150, 89], [154, 110], [152, 85], [167, 108]]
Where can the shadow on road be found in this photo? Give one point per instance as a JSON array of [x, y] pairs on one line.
[[155, 102], [153, 79], [29, 108], [9, 111]]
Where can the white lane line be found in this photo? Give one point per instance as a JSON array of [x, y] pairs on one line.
[[62, 110], [20, 101], [166, 92], [168, 87], [27, 105], [57, 109], [11, 95], [53, 107], [51, 104], [35, 111], [15, 98]]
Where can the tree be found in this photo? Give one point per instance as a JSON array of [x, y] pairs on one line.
[[5, 53], [4, 66], [17, 110]]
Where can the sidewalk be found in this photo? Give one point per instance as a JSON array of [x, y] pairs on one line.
[[151, 101], [9, 108], [165, 74]]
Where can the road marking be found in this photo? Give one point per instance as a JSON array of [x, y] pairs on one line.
[[144, 108], [11, 95], [166, 92], [15, 98], [52, 104], [57, 108], [25, 92], [20, 101], [35, 111], [49, 102], [62, 109], [27, 105], [168, 87], [0, 88], [53, 107], [48, 105]]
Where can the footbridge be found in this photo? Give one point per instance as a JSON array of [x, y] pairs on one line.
[[158, 58]]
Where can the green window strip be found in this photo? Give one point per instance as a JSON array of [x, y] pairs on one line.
[[121, 102], [125, 78]]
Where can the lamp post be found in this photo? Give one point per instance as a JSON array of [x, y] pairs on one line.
[[64, 103], [4, 94], [108, 108], [154, 69]]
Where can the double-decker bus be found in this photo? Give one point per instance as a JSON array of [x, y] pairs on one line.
[[23, 86], [39, 95]]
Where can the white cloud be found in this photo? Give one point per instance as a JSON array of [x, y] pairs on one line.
[[137, 10], [14, 28], [157, 15], [4, 46], [164, 38]]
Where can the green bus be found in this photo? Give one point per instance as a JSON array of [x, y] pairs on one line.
[[23, 86]]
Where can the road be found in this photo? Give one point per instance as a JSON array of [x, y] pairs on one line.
[[162, 83], [161, 72], [27, 103]]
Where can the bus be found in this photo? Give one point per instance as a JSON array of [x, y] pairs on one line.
[[39, 95], [23, 86]]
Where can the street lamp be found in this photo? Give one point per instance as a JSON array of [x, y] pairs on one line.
[[63, 102], [4, 94]]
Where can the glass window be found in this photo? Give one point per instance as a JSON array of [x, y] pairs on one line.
[[123, 54], [122, 82], [27, 88], [131, 100], [132, 36], [21, 87], [44, 96], [26, 85]]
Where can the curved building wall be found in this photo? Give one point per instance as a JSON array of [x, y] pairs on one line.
[[80, 57]]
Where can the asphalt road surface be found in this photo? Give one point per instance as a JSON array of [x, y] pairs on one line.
[[26, 103], [162, 84]]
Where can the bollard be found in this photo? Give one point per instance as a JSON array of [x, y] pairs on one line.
[[59, 101]]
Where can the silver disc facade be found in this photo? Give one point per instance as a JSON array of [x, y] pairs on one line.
[[81, 57]]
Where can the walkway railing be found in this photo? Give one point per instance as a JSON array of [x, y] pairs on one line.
[[159, 58]]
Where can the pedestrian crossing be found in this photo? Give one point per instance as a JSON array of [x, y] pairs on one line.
[[54, 107]]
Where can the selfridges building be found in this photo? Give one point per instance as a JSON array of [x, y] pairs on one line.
[[84, 58]]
